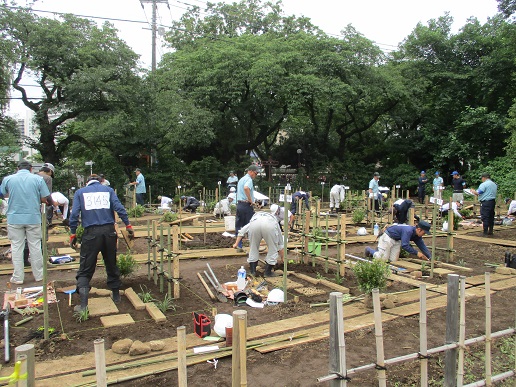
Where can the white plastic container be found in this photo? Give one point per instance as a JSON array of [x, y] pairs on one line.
[[376, 230], [241, 276], [229, 222]]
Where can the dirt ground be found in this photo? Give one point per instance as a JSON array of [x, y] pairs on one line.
[[296, 366]]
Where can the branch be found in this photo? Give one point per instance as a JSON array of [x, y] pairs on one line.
[[31, 105], [70, 139]]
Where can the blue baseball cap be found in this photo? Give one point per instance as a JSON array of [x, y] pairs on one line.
[[454, 173], [437, 172], [422, 172]]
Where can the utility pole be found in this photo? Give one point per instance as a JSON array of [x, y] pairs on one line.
[[153, 27]]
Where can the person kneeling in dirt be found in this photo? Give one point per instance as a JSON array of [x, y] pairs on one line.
[[191, 203], [398, 237], [263, 225], [401, 208], [96, 204], [223, 207]]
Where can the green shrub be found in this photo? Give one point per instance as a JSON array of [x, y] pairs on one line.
[[358, 215], [456, 221], [168, 217], [210, 206], [232, 208], [466, 213], [371, 275], [136, 212], [126, 264]]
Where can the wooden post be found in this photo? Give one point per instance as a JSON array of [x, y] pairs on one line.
[[217, 195], [488, 330], [28, 351], [452, 325], [150, 194], [100, 362], [44, 233], [342, 246], [337, 341], [161, 251], [286, 228], [154, 254], [22, 371], [306, 231], [378, 332], [451, 216], [181, 357], [175, 263], [148, 251], [411, 216], [204, 224], [407, 194], [423, 341], [169, 261], [462, 332], [239, 352]]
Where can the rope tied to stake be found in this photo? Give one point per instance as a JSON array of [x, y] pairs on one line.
[[15, 376], [380, 368], [420, 356]]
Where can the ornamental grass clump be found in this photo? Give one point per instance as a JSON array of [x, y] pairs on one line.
[[371, 275]]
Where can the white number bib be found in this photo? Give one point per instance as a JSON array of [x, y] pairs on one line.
[[96, 200]]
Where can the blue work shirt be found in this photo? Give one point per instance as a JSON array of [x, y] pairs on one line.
[[487, 190], [406, 234], [25, 191], [140, 184], [373, 185], [438, 181], [246, 181], [96, 204]]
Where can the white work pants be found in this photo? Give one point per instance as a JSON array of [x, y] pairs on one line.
[[266, 228], [388, 249], [334, 200], [17, 233]]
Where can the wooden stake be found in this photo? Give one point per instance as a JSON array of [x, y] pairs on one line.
[[154, 254], [28, 351], [306, 231], [452, 325], [434, 228], [148, 251], [208, 290], [161, 248], [337, 342], [181, 357], [411, 216], [100, 362], [175, 263], [451, 215], [44, 229], [239, 355], [488, 330], [378, 331], [423, 341], [462, 332]]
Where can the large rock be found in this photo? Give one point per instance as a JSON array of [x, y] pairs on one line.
[[122, 346], [388, 303], [157, 345], [139, 348], [417, 274]]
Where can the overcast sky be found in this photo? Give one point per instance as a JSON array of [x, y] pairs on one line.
[[385, 22]]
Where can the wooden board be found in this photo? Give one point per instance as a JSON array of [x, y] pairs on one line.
[[505, 284], [412, 309], [116, 320], [480, 279], [101, 306], [128, 241], [278, 282], [493, 241]]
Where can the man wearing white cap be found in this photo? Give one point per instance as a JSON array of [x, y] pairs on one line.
[[61, 203]]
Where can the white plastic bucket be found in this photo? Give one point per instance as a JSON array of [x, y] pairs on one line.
[[229, 223]]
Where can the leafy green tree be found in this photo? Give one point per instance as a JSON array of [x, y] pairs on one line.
[[81, 69]]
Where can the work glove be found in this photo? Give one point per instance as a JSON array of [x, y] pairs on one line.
[[130, 231], [73, 241]]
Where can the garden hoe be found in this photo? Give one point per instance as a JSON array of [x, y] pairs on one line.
[[220, 296]]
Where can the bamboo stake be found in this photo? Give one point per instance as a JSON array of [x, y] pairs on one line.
[[337, 341], [28, 351], [100, 362], [238, 373], [175, 270], [181, 357], [488, 329], [411, 216], [45, 272], [452, 325], [148, 251], [342, 246], [285, 241], [451, 215], [306, 231], [154, 254], [326, 246], [169, 261], [161, 249], [434, 226], [423, 339], [378, 331], [462, 332]]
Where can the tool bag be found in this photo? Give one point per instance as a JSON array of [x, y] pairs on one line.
[[202, 325], [510, 260]]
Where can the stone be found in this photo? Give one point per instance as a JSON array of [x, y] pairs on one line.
[[139, 348], [122, 346], [103, 292], [383, 296], [388, 304], [157, 345], [417, 274], [505, 270], [93, 291], [393, 297]]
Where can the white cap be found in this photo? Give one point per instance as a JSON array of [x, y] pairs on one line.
[[232, 189], [274, 209]]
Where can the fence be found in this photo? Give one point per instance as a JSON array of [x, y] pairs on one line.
[[454, 348]]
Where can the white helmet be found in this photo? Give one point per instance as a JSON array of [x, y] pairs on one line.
[[276, 295], [274, 209], [222, 321], [362, 231], [232, 189]]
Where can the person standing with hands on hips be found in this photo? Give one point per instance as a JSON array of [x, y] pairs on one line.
[[486, 193], [245, 201], [421, 186], [95, 204], [140, 189]]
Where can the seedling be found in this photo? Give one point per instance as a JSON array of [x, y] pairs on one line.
[[145, 295], [371, 275], [168, 217], [50, 330], [358, 215], [82, 316], [424, 267], [126, 264], [166, 304], [136, 212]]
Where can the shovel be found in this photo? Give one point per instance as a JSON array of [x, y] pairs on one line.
[[220, 296], [219, 286], [70, 292]]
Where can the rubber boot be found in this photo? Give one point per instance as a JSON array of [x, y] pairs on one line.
[[253, 266], [369, 252], [268, 271], [490, 230], [115, 295], [83, 293], [485, 230]]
